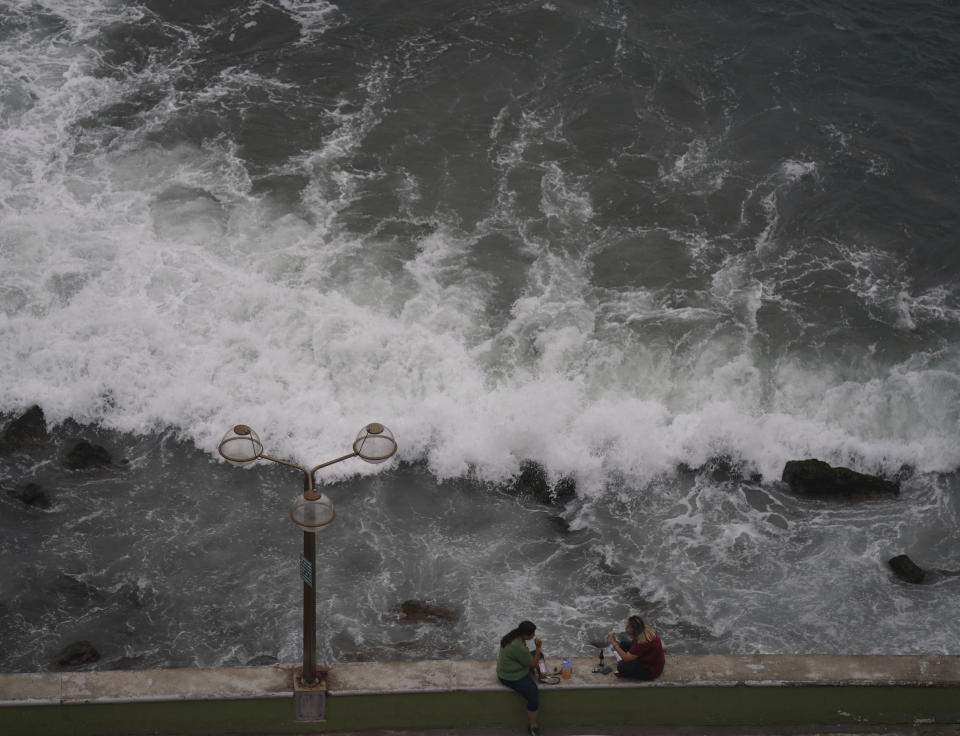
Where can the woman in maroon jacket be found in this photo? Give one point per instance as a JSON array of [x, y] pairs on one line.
[[644, 659]]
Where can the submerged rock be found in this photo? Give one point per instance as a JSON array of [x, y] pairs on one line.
[[533, 482], [417, 610], [85, 455], [722, 469], [906, 569], [25, 432], [818, 479], [76, 592], [262, 659], [78, 653], [33, 494]]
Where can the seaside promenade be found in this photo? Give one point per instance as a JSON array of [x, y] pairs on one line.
[[716, 695]]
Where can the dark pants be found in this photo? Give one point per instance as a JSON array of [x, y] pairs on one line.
[[633, 669], [528, 689]]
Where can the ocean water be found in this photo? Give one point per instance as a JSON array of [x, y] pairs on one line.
[[635, 243]]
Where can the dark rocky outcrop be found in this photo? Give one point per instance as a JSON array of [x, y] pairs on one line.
[[906, 569], [532, 481], [25, 432], [85, 456], [818, 479], [77, 654], [33, 494], [417, 610]]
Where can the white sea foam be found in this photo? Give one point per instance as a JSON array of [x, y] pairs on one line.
[[699, 168], [144, 287]]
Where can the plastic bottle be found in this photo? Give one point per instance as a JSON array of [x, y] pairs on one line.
[[566, 669]]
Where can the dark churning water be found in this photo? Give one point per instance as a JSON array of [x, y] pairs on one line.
[[618, 239]]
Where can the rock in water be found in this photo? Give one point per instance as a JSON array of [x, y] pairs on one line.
[[24, 432], [417, 610], [906, 569], [33, 494], [261, 660], [817, 478], [533, 482], [78, 653], [85, 455]]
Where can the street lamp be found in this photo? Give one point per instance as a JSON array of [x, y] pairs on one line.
[[312, 511]]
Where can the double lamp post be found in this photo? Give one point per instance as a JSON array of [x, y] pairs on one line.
[[311, 511]]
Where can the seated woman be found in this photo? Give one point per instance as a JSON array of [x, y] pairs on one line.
[[515, 666], [644, 659]]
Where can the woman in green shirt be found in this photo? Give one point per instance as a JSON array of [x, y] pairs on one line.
[[515, 666]]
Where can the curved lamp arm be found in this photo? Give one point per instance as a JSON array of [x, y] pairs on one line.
[[241, 446]]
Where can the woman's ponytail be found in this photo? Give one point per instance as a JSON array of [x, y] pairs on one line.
[[526, 628]]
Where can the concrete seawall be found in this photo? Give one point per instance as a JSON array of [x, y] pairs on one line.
[[707, 690]]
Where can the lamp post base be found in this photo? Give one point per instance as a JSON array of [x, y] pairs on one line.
[[310, 701]]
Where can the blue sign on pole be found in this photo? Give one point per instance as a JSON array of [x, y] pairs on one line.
[[306, 571]]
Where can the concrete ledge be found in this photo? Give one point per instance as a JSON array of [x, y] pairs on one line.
[[430, 676], [764, 670], [217, 683], [707, 690]]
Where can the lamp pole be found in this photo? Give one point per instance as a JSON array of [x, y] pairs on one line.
[[312, 511]]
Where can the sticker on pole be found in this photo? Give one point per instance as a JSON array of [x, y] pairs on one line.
[[306, 571]]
